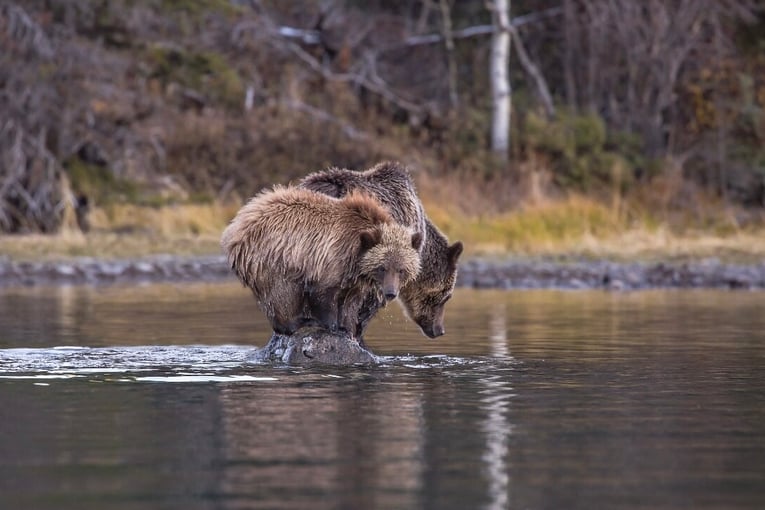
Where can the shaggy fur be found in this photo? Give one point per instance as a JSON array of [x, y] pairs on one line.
[[389, 182], [303, 255], [383, 271], [424, 298]]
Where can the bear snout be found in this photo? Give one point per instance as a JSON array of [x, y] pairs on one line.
[[390, 285], [432, 330], [390, 294]]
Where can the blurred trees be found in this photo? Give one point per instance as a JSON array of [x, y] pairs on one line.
[[159, 101], [646, 68]]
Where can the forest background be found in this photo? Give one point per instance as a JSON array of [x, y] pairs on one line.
[[636, 129]]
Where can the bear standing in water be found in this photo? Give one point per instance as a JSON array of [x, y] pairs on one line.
[[424, 298], [311, 259]]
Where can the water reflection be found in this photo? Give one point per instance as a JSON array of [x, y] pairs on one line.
[[357, 440], [533, 400], [496, 398]]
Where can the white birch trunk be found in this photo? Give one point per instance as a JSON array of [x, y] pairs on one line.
[[500, 81]]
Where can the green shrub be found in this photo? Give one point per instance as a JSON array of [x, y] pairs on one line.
[[99, 183], [205, 72], [583, 154]]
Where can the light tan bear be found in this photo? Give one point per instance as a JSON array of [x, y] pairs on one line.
[[312, 259]]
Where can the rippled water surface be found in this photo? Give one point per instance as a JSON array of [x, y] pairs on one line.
[[144, 397]]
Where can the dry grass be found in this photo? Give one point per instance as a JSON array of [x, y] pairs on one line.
[[578, 227], [660, 244], [108, 245], [572, 227], [123, 231], [172, 220]]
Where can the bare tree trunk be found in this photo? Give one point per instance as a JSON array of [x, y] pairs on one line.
[[568, 53], [446, 21], [500, 81]]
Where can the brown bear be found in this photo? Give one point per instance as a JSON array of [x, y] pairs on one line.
[[388, 182], [424, 298], [309, 258]]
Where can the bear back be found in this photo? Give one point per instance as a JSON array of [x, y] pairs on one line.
[[297, 232], [389, 182]]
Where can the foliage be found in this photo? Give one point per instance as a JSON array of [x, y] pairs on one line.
[[579, 150], [99, 183], [205, 72]]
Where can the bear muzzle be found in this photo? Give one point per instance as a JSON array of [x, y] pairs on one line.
[[433, 330], [390, 286], [390, 294], [430, 328]]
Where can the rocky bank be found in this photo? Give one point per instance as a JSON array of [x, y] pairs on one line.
[[510, 273]]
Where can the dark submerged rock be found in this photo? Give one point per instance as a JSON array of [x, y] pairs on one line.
[[314, 346]]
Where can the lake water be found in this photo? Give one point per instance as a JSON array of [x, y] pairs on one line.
[[142, 397]]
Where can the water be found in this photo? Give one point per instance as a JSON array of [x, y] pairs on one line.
[[143, 397]]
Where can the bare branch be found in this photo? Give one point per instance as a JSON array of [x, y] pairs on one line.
[[374, 83], [22, 28], [31, 195], [480, 30], [349, 130], [539, 81]]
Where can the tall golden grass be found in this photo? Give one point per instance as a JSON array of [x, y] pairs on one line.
[[582, 228], [126, 230], [573, 226]]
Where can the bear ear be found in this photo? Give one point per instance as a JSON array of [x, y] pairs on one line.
[[416, 240], [370, 239], [453, 253]]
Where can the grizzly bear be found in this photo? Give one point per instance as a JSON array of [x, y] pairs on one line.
[[310, 259], [423, 299], [388, 182]]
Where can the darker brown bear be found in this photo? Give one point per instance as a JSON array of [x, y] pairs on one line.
[[308, 257], [424, 298]]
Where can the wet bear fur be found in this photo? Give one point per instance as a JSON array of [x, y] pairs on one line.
[[309, 258], [425, 297]]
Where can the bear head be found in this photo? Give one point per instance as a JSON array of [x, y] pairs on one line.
[[390, 258], [425, 302]]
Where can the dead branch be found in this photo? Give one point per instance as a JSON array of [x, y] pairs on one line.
[[364, 76], [543, 91], [479, 30], [31, 194], [348, 129], [21, 28]]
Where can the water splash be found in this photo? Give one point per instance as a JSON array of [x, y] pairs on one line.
[[195, 363], [192, 364]]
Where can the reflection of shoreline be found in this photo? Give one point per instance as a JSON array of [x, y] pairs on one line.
[[476, 273]]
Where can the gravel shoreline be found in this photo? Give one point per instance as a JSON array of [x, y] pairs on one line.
[[475, 273]]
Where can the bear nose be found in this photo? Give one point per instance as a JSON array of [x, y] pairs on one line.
[[390, 295], [438, 331]]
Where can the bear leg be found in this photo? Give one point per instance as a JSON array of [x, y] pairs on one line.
[[284, 309], [323, 306]]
